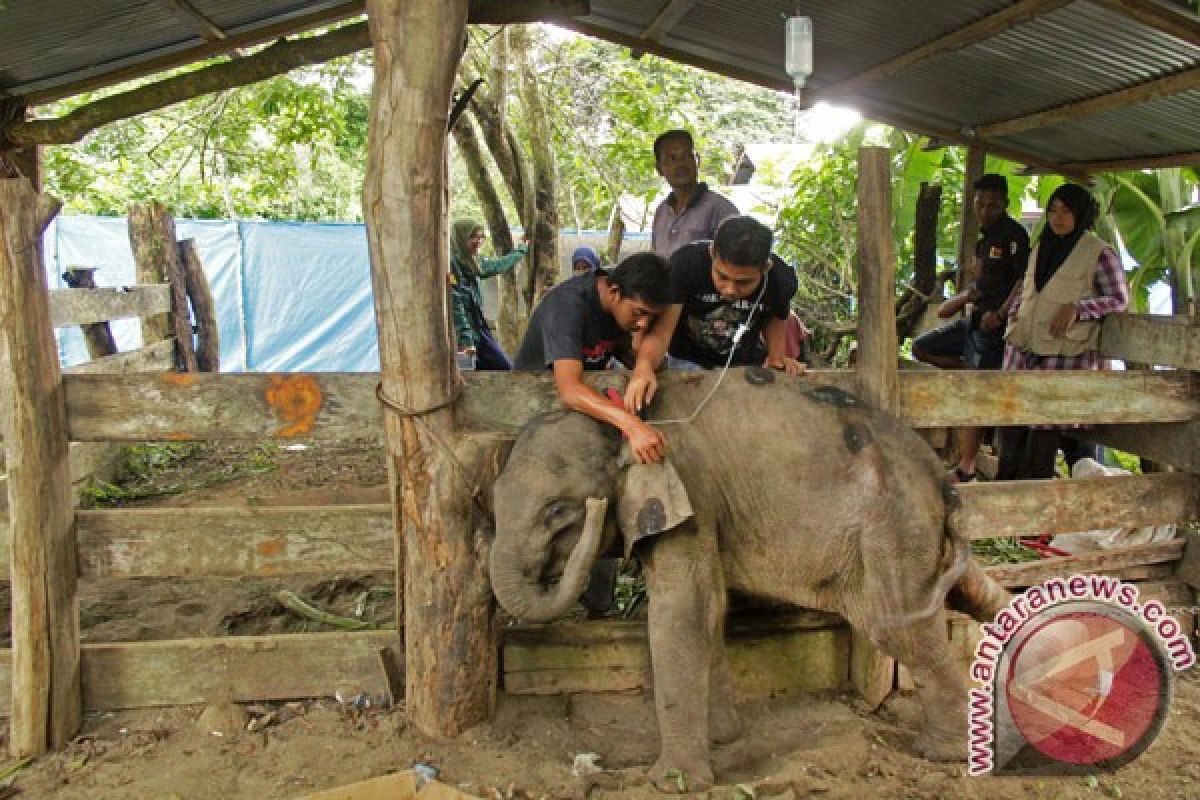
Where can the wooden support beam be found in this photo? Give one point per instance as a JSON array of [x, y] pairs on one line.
[[202, 24], [46, 705], [244, 669], [1188, 159], [1177, 445], [1184, 81], [1169, 18], [449, 642], [978, 31], [84, 306], [968, 227], [877, 368], [1105, 562], [505, 12], [336, 406], [199, 293], [158, 357], [1164, 341], [1026, 508], [668, 17], [156, 253]]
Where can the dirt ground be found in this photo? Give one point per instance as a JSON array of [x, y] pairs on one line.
[[799, 745]]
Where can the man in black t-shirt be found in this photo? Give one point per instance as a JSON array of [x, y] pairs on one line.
[[718, 288], [588, 319], [977, 340]]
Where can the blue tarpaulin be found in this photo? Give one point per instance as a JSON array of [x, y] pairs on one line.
[[290, 297]]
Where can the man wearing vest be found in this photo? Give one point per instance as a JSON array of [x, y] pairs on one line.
[[1072, 282]]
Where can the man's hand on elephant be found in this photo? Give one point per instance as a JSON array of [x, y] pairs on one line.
[[789, 365], [1067, 314], [646, 442], [641, 389]]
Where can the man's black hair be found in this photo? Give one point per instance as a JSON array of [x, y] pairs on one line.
[[667, 136], [743, 241], [991, 182], [643, 276]]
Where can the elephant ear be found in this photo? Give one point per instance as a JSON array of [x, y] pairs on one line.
[[651, 499]]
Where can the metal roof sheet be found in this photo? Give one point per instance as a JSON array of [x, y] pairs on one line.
[[1078, 50]]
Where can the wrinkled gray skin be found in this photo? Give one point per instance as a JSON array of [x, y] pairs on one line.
[[800, 494]]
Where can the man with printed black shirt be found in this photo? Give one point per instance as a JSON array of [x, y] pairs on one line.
[[719, 287], [977, 340], [587, 320], [691, 211]]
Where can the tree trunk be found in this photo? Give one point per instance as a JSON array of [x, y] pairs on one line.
[[968, 230], [544, 257], [510, 324], [450, 649], [47, 705], [97, 335], [616, 234], [208, 340], [925, 234]]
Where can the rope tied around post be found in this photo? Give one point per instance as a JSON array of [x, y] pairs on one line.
[[417, 416]]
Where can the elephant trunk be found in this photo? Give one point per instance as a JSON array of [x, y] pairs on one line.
[[524, 598]]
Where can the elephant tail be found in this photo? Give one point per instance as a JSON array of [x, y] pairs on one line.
[[963, 584]]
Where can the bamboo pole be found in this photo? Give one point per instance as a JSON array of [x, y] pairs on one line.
[[450, 647], [46, 700]]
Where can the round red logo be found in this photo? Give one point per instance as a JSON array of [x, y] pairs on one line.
[[1088, 684]]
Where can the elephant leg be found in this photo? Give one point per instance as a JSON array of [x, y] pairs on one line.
[[687, 605], [924, 648], [724, 723]]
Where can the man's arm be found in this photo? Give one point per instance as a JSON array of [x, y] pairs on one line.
[[956, 304], [645, 441], [775, 335], [650, 353]]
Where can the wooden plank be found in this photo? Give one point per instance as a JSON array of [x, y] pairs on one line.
[[235, 541], [1166, 341], [1025, 508], [1144, 92], [242, 669], [332, 406], [97, 335], [1189, 158], [877, 368], [158, 357], [1174, 444], [1102, 563], [955, 398], [760, 664], [86, 306]]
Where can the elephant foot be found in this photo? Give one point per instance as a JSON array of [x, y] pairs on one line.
[[942, 746], [681, 775], [725, 725]]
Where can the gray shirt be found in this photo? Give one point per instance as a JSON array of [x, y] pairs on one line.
[[698, 220]]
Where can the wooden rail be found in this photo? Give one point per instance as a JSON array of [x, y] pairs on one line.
[[1148, 339], [227, 542], [85, 306], [331, 406]]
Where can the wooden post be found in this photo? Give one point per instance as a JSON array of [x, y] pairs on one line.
[[450, 647], [873, 673], [208, 341], [97, 335], [46, 701], [968, 230], [877, 353], [152, 236]]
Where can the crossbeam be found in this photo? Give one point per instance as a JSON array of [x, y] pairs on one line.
[[85, 306], [1164, 341]]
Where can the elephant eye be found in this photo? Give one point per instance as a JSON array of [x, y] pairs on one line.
[[555, 510]]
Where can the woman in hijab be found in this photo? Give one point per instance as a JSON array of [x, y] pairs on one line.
[[471, 328], [1072, 282]]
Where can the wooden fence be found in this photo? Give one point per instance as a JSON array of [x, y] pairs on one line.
[[1153, 413]]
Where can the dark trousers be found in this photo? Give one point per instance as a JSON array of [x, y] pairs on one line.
[[489, 355], [1027, 454]]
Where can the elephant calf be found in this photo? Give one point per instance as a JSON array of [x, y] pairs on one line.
[[780, 489]]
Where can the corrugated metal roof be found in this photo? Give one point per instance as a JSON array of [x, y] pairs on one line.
[[1079, 50]]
